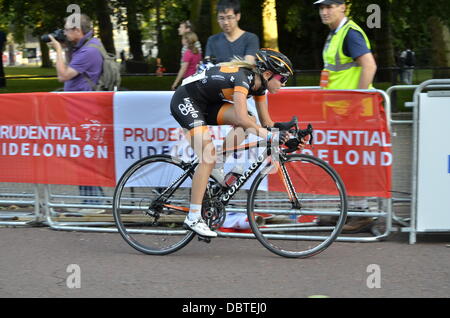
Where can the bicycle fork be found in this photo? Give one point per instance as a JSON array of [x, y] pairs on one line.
[[284, 176]]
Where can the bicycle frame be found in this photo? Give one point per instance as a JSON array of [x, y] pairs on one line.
[[229, 193]]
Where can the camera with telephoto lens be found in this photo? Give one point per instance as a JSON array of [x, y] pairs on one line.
[[57, 34]]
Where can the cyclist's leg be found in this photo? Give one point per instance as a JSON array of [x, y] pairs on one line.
[[203, 146], [190, 116], [200, 140], [227, 116]]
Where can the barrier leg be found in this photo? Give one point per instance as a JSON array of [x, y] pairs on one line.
[[11, 216]]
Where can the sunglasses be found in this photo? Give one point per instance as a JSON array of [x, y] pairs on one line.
[[281, 78]]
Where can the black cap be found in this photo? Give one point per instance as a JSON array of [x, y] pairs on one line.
[[329, 2]]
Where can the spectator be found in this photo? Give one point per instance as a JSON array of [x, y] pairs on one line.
[[122, 62], [2, 47], [233, 41], [348, 64], [190, 59], [81, 73], [186, 26], [407, 61]]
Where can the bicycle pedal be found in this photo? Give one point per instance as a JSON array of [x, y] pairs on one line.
[[204, 239]]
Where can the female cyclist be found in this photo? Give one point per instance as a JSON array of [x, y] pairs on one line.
[[218, 96]]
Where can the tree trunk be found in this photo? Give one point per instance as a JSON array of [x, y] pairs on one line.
[[45, 57], [196, 6], [159, 37], [2, 72], [270, 27], [384, 53], [134, 32], [440, 43], [215, 28], [105, 25]]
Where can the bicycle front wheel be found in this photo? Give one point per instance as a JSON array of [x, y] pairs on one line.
[[150, 204], [295, 195]]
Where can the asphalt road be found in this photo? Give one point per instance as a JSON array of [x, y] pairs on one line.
[[35, 262]]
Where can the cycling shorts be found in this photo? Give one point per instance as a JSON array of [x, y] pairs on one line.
[[189, 113]]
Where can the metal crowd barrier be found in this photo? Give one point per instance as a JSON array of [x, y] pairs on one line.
[[60, 209], [435, 84], [19, 204], [22, 205], [64, 209], [408, 223]]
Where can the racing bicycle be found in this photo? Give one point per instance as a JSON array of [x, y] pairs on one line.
[[286, 205]]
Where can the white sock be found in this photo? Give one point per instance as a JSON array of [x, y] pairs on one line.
[[194, 212]]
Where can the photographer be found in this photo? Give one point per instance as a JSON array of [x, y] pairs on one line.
[[81, 71], [85, 66]]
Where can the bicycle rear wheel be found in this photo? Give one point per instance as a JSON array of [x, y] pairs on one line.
[[293, 227], [150, 204]]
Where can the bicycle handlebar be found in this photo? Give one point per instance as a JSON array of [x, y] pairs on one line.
[[292, 127], [288, 125]]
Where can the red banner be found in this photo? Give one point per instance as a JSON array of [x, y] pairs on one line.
[[57, 138], [351, 134], [68, 138]]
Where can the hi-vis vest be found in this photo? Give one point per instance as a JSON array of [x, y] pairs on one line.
[[341, 71]]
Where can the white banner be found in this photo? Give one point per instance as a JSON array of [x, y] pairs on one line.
[[433, 192], [144, 126]]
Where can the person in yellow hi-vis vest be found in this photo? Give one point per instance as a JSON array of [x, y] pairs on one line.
[[348, 60], [348, 64]]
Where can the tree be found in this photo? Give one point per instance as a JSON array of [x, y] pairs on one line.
[[45, 16], [269, 16], [215, 28], [41, 17], [133, 29], [2, 46], [440, 45], [195, 10], [301, 34], [103, 13], [380, 37]]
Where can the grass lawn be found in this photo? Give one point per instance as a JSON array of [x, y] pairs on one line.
[[139, 83], [152, 83]]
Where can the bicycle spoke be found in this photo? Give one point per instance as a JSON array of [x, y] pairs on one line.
[[302, 194], [150, 204]]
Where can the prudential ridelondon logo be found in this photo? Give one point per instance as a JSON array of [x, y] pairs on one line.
[[54, 141]]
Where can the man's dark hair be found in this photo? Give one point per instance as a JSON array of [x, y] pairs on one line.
[[225, 5]]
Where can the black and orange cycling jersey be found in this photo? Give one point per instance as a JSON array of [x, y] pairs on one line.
[[203, 97], [219, 83]]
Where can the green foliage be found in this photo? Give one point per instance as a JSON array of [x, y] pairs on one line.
[[153, 83], [301, 33], [40, 17]]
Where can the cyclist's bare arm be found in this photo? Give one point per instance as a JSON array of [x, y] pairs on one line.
[[263, 112], [242, 118]]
